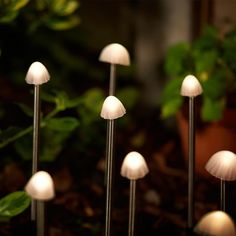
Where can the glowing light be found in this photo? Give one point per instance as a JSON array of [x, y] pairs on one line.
[[191, 87], [37, 74], [134, 166], [222, 165], [216, 223], [40, 186], [112, 108], [115, 54]]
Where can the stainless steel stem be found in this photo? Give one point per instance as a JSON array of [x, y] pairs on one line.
[[109, 174], [109, 155], [132, 207], [36, 127], [112, 84], [222, 195], [40, 218], [191, 164]]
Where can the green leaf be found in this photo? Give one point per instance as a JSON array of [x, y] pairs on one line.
[[64, 8], [8, 133], [177, 59], [18, 4], [214, 87], [62, 124], [13, 204], [171, 107], [56, 23], [26, 109], [8, 17], [172, 89], [93, 100], [128, 96], [205, 61], [212, 110]]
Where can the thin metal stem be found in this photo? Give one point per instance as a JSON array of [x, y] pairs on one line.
[[40, 218], [191, 163], [222, 195], [112, 85], [36, 127], [110, 151], [132, 207]]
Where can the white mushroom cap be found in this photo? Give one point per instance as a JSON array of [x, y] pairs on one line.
[[215, 223], [112, 108], [134, 166], [37, 74], [190, 87], [222, 165], [115, 54], [40, 186]]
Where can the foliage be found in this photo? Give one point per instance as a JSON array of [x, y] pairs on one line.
[[13, 204], [55, 14], [211, 58]]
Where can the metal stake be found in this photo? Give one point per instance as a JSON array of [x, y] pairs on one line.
[[40, 218], [191, 164], [132, 207], [109, 156], [36, 127], [222, 195]]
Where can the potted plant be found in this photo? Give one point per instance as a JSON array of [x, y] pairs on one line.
[[212, 59]]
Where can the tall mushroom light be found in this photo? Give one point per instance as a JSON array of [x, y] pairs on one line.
[[133, 167], [222, 165], [37, 75], [112, 109], [191, 88], [114, 54], [40, 187]]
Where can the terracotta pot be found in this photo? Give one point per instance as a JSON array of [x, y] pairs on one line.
[[210, 138]]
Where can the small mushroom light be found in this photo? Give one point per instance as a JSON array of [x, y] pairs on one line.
[[191, 88], [133, 167], [215, 223], [112, 108], [40, 187], [115, 54], [222, 165], [37, 75]]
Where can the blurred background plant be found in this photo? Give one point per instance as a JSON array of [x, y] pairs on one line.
[[210, 57]]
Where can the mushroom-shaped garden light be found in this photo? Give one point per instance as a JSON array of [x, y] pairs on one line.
[[222, 165], [191, 88], [215, 223], [40, 187], [133, 167]]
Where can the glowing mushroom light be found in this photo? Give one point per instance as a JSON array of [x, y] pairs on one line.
[[133, 167], [191, 88], [41, 188], [215, 223], [222, 165]]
